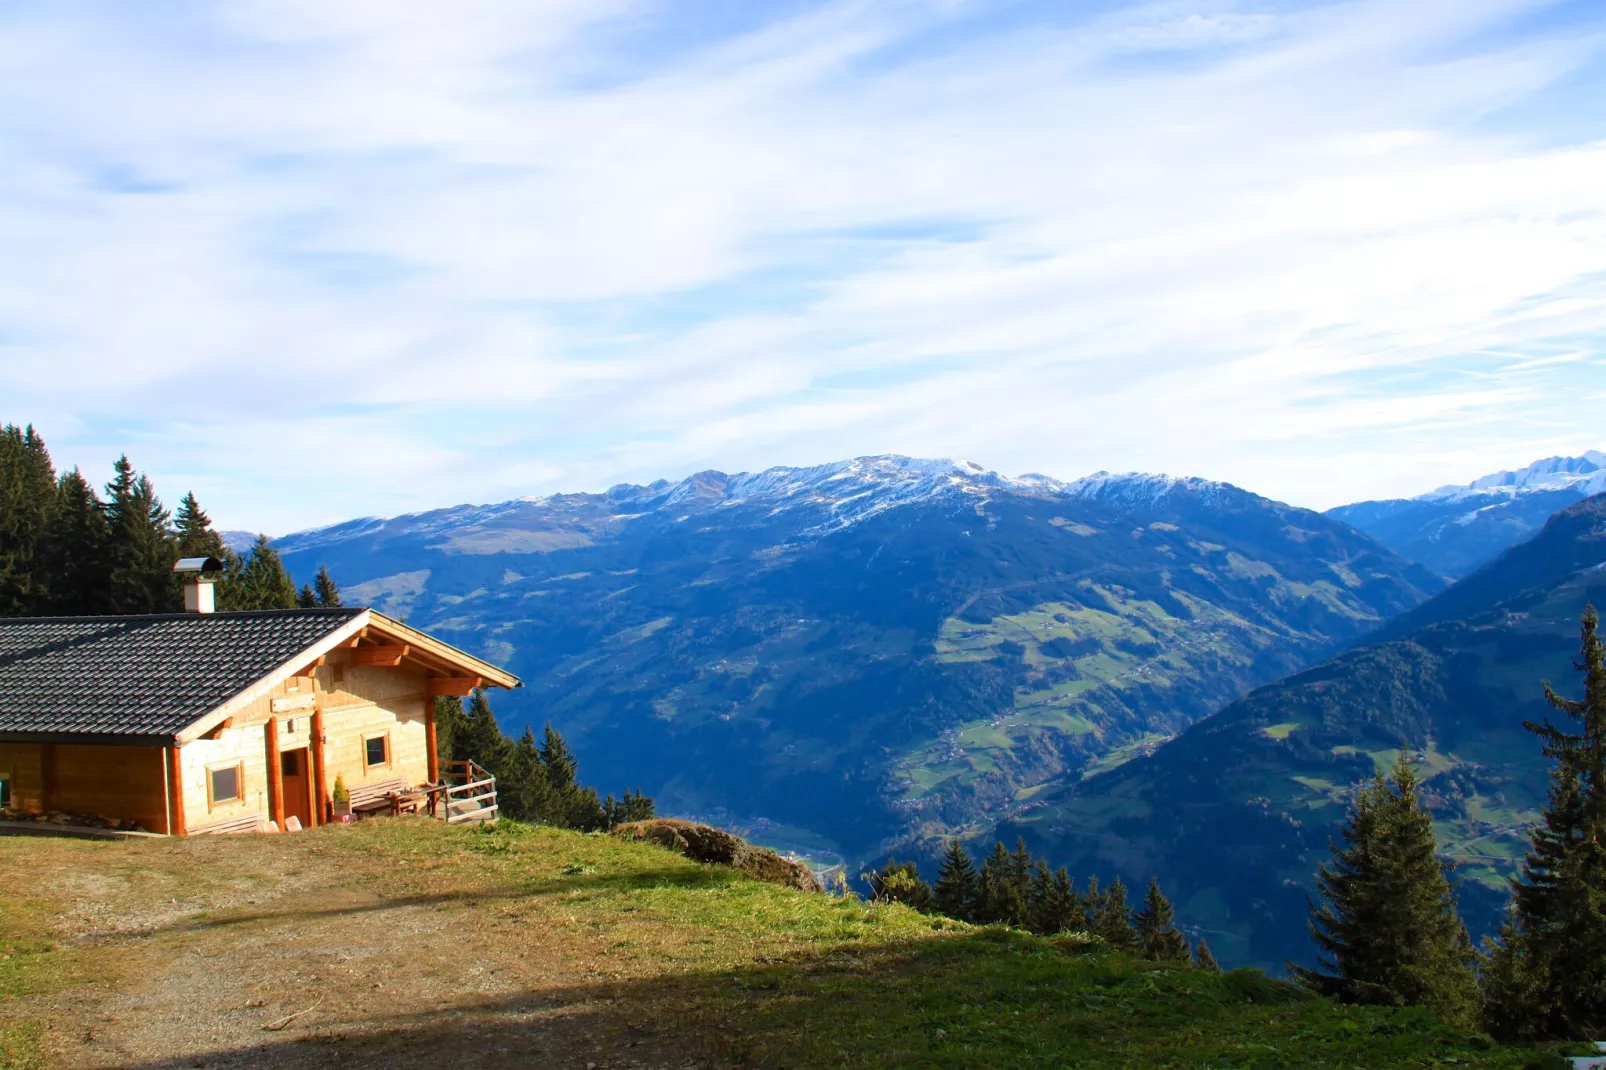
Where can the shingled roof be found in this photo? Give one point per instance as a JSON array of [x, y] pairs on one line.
[[142, 679]]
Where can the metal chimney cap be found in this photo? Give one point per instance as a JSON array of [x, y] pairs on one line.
[[197, 566]]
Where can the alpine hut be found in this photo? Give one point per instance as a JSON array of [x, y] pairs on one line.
[[183, 723]]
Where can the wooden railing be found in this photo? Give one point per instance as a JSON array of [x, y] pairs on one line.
[[468, 794]]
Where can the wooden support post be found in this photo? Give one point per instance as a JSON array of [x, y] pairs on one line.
[[275, 773], [320, 802], [429, 735], [175, 774], [47, 776]]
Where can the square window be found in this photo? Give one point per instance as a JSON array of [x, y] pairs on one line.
[[377, 750], [226, 784], [289, 763]]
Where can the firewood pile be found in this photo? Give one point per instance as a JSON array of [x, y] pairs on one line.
[[62, 817]]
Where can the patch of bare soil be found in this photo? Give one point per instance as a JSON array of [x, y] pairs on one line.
[[274, 958]]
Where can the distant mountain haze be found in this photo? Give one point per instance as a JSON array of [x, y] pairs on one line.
[[1455, 529], [852, 655], [1235, 814]]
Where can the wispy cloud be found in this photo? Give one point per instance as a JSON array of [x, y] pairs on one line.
[[321, 259]]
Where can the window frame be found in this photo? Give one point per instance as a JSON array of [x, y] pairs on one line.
[[384, 737], [5, 789], [238, 768]]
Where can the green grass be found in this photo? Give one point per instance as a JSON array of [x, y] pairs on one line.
[[750, 974], [31, 963]]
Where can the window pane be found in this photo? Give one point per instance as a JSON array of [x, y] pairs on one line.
[[226, 784], [376, 751], [290, 763]]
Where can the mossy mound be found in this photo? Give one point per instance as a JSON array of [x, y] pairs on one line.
[[704, 843]]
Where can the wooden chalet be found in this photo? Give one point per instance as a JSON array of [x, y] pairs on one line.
[[219, 722]]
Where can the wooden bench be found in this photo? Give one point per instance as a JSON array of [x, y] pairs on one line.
[[384, 796]]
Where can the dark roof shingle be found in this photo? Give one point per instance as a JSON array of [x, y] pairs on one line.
[[142, 677]]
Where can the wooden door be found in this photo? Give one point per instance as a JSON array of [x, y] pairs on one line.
[[293, 769]]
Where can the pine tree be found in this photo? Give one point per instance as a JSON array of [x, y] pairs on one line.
[[957, 889], [326, 590], [78, 558], [142, 550], [305, 598], [483, 742], [261, 582], [1158, 938], [558, 761], [193, 529], [28, 503], [1203, 959], [1003, 899], [1053, 906], [1112, 919], [1388, 931], [1546, 976]]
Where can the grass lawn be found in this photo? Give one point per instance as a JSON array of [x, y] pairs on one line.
[[403, 942]]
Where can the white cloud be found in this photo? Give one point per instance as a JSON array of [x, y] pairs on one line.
[[539, 246]]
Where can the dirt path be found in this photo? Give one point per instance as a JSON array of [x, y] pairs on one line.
[[263, 952]]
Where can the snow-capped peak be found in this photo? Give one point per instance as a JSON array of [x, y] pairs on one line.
[[1552, 473], [1139, 488]]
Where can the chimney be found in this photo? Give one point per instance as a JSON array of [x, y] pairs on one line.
[[198, 574]]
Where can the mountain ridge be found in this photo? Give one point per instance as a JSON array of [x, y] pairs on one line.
[[1457, 528], [878, 648], [1236, 813]]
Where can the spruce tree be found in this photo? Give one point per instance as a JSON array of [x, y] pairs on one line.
[[957, 889], [1546, 976], [193, 529], [1158, 938], [1203, 959], [142, 550], [305, 598], [78, 558], [27, 511], [1053, 906], [328, 593], [261, 582], [1112, 919], [483, 742], [558, 761], [1003, 899], [1388, 931]]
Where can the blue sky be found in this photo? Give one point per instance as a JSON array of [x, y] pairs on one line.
[[320, 260]]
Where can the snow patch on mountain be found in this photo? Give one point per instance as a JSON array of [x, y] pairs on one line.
[[1550, 474], [825, 498]]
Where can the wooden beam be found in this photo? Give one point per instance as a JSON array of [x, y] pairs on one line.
[[175, 773], [217, 732], [320, 798], [429, 736], [312, 666], [456, 686], [270, 732], [388, 656]]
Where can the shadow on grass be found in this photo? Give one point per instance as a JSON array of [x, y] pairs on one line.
[[980, 998], [590, 883]]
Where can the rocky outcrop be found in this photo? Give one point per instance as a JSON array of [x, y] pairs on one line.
[[704, 843]]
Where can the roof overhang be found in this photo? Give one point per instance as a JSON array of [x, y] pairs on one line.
[[424, 651], [87, 739]]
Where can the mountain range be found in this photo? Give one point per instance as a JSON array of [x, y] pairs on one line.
[[1453, 530], [1236, 813], [852, 656]]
